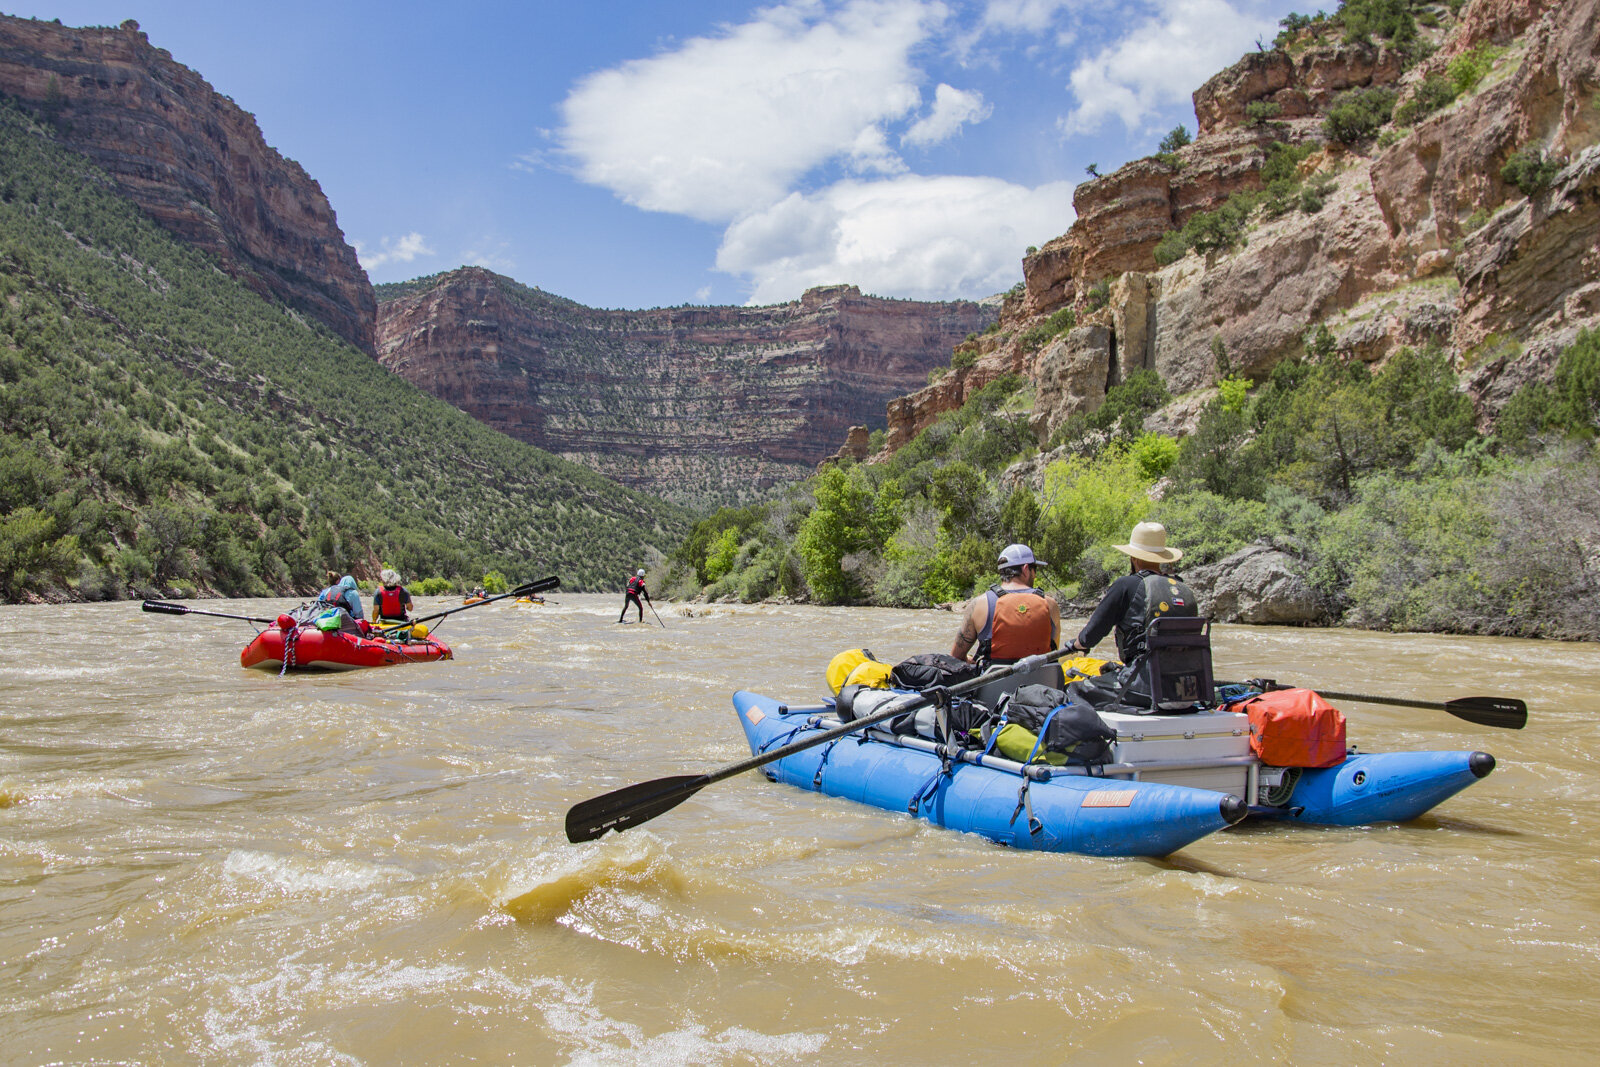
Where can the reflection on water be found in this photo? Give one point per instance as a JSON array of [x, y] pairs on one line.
[[204, 863]]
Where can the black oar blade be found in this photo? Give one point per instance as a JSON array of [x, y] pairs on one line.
[[1506, 713], [165, 608], [631, 805], [540, 586]]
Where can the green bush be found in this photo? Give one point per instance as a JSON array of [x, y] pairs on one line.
[[1435, 92], [1283, 161], [1465, 71], [1357, 115], [1036, 337], [1120, 418], [1176, 138], [1568, 407], [1529, 171], [1260, 112]]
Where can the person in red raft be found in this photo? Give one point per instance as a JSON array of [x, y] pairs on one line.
[[392, 602], [636, 590], [1013, 619]]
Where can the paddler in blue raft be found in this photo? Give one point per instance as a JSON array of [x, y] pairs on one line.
[[1013, 619]]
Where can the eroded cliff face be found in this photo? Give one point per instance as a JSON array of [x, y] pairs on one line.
[[691, 403], [1418, 242], [193, 161]]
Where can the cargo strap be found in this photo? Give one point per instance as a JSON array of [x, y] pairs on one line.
[[816, 782], [926, 790], [1043, 729], [1024, 800], [784, 740]]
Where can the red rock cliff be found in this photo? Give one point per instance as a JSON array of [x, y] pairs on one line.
[[194, 161], [1417, 237], [693, 403]]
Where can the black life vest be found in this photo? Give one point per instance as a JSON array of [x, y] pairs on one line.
[[635, 586], [1160, 595]]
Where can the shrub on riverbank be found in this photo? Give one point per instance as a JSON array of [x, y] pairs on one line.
[[1404, 516]]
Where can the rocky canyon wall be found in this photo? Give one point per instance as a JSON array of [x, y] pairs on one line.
[[1418, 238], [693, 403], [192, 160]]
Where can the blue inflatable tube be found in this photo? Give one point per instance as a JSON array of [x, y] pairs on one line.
[[1065, 813], [1380, 787]]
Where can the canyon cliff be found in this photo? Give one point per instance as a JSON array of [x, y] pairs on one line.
[[1414, 236], [695, 404], [192, 160]]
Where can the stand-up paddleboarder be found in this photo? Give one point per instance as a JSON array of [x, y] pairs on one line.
[[636, 590]]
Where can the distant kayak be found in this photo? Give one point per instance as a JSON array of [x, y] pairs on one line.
[[529, 600], [473, 599], [312, 649]]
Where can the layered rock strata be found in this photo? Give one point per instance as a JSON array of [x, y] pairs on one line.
[[193, 161], [692, 403]]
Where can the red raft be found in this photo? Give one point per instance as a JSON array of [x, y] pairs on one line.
[[312, 649]]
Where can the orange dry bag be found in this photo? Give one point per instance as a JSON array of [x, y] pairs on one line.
[[1295, 728]]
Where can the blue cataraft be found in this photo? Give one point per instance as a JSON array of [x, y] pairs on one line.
[[1172, 780]]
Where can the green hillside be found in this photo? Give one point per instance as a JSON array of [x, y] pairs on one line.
[[162, 427]]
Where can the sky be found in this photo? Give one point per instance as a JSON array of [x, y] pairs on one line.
[[633, 154]]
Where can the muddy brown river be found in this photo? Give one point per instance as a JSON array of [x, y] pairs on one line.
[[200, 863]]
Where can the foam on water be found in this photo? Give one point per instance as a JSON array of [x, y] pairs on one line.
[[542, 887], [296, 875]]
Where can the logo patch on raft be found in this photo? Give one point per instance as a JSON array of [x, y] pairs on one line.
[[755, 715], [1108, 798]]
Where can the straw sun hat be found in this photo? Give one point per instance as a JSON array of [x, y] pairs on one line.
[[1149, 543]]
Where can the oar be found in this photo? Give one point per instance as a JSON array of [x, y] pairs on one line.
[[522, 590], [658, 617], [1506, 713], [627, 807], [164, 608]]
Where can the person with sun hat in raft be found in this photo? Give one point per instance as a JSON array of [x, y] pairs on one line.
[[1142, 595]]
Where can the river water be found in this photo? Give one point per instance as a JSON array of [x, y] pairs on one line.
[[203, 863]]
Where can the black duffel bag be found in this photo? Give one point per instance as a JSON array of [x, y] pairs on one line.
[[930, 669], [1075, 729]]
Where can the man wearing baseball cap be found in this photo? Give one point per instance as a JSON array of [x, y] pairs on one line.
[[1141, 595], [1013, 619]]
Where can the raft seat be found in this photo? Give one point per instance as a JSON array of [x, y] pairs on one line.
[[1046, 674]]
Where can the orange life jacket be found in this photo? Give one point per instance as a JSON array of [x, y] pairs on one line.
[[1019, 625]]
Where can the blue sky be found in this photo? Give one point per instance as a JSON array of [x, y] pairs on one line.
[[636, 154]]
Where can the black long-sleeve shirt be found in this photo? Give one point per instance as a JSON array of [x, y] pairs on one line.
[[1122, 608]]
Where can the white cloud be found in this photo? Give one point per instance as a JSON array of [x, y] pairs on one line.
[[930, 238], [1162, 60], [726, 124], [1029, 15], [490, 254], [404, 250], [951, 109]]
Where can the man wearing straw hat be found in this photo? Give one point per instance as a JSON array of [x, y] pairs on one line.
[[1139, 596]]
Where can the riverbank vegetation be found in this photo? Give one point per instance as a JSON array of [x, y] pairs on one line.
[[1403, 513], [163, 429]]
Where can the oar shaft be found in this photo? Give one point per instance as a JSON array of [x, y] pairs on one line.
[[910, 702], [635, 804], [521, 590], [162, 607]]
